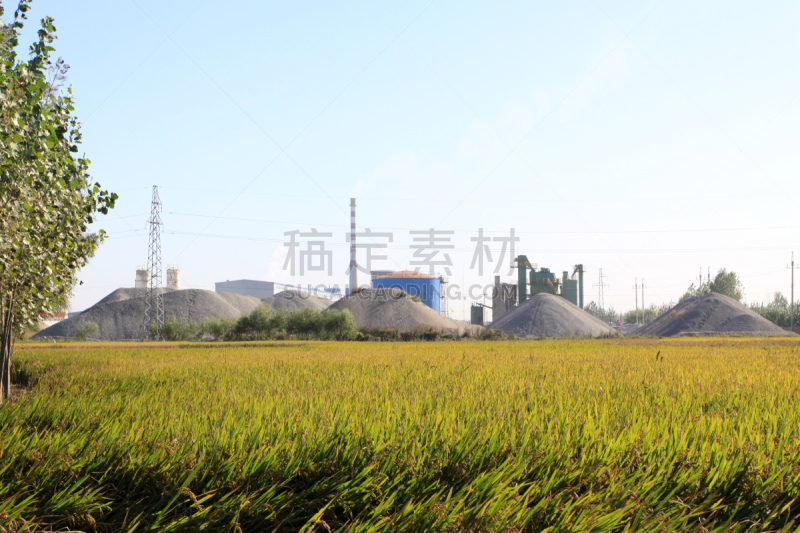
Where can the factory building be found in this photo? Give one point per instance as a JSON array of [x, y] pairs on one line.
[[427, 288], [265, 289]]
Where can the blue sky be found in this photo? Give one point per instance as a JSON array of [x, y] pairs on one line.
[[646, 138]]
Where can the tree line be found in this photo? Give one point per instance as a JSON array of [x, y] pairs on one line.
[[726, 282], [264, 323]]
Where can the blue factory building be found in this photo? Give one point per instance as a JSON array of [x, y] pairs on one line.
[[427, 288]]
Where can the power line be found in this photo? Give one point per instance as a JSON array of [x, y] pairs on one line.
[[515, 200], [588, 232], [458, 249]]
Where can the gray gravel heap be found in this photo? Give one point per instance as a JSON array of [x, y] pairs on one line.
[[124, 318], [547, 315], [390, 309], [711, 315], [126, 293], [289, 301]]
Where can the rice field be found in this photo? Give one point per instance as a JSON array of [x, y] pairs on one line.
[[605, 435]]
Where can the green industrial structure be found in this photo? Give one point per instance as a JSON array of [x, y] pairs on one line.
[[476, 314], [542, 280]]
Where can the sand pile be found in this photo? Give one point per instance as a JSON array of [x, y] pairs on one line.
[[289, 301], [124, 319], [390, 309], [711, 315], [547, 315]]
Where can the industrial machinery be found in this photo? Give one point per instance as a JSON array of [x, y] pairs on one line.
[[523, 265], [579, 270], [476, 314], [569, 288], [542, 280], [504, 298]]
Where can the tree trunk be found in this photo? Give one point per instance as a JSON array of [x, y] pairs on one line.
[[5, 347]]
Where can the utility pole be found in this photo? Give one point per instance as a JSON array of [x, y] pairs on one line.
[[636, 286], [709, 280], [791, 320], [153, 300], [643, 301], [700, 286]]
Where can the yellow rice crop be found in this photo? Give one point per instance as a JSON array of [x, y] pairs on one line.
[[613, 435]]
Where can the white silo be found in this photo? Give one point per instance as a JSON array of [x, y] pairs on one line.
[[142, 278], [174, 278]]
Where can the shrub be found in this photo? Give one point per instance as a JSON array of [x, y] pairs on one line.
[[424, 333], [204, 328], [338, 325], [221, 328], [260, 324], [305, 323], [178, 330], [494, 335], [379, 334], [87, 330]]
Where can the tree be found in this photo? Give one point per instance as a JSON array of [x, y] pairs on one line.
[[261, 323], [47, 197], [729, 284], [606, 315], [305, 323], [726, 283], [638, 316], [693, 292], [777, 311], [339, 325]]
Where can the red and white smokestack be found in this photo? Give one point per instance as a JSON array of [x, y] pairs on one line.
[[353, 263]]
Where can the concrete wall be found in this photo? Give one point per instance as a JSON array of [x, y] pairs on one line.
[[247, 287]]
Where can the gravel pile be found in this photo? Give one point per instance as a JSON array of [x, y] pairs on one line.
[[126, 293], [124, 318], [711, 315], [289, 301], [629, 329], [547, 315], [390, 309]]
